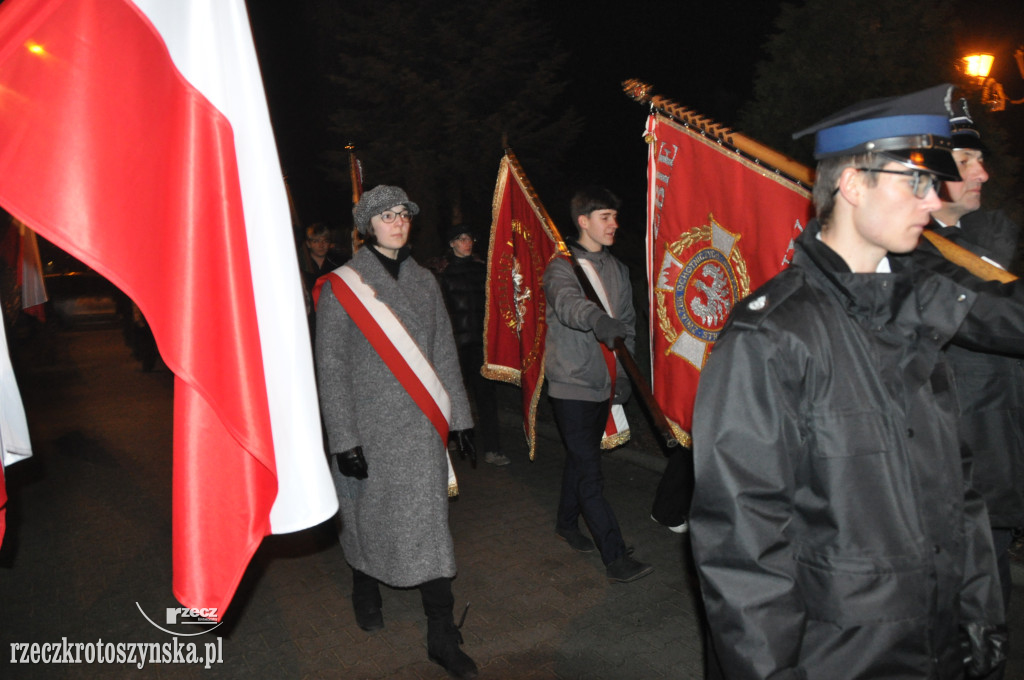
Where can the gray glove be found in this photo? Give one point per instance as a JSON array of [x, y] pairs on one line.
[[607, 329], [351, 463]]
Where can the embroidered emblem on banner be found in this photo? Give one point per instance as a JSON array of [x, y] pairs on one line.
[[701, 277], [513, 293]]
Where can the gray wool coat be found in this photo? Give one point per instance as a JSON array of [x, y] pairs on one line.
[[394, 524]]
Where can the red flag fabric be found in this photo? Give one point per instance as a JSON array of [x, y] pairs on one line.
[[135, 136], [515, 328], [718, 226]]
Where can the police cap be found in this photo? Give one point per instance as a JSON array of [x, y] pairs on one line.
[[912, 129]]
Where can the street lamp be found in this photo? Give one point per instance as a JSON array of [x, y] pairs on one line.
[[993, 97]]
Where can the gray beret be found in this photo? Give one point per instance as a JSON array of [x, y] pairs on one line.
[[375, 201]]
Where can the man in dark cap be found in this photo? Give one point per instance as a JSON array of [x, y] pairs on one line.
[[990, 387], [463, 278], [833, 524]]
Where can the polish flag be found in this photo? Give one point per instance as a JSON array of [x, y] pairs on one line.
[[14, 440], [136, 136]]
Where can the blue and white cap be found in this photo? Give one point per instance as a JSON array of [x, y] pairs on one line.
[[912, 129]]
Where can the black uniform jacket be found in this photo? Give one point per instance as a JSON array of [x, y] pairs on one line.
[[990, 387], [833, 525]]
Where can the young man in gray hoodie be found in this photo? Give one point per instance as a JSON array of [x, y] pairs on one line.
[[581, 386]]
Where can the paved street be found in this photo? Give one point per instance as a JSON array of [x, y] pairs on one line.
[[89, 541]]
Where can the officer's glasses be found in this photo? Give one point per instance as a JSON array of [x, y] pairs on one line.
[[920, 183], [389, 216]]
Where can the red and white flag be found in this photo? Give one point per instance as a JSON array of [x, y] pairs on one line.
[[14, 440], [136, 136], [718, 226]]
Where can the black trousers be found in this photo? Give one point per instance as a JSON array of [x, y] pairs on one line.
[[581, 424], [675, 490]]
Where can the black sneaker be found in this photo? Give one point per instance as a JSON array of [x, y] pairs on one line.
[[576, 540], [626, 569]]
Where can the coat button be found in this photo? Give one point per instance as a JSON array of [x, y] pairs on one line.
[[910, 432], [937, 548]]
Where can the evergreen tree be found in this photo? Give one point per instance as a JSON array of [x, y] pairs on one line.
[[430, 90], [828, 54]]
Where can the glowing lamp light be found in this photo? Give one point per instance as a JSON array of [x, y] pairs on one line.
[[35, 48], [978, 65]]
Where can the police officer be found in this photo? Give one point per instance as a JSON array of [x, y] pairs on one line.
[[833, 527]]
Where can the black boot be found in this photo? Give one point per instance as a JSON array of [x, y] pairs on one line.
[[366, 601], [443, 636]]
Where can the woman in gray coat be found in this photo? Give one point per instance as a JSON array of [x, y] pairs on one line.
[[389, 459]]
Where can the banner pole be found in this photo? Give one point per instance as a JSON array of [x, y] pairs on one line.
[[772, 159], [356, 176]]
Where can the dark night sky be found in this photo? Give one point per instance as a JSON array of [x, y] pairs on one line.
[[686, 50], [703, 55]]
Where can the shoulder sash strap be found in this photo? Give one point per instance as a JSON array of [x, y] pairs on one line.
[[396, 347], [616, 430]]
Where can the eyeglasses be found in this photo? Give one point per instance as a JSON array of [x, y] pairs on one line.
[[465, 237], [389, 216], [920, 184]]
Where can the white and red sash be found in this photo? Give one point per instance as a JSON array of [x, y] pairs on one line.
[[616, 430], [396, 347]]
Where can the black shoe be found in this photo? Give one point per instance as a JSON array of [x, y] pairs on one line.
[[443, 640], [369, 617], [626, 569], [576, 540]]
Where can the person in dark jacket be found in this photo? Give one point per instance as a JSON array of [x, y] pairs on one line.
[[990, 387], [318, 257], [833, 525], [463, 278]]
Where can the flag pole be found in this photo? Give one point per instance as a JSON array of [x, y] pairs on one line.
[[782, 164], [356, 176], [661, 424]]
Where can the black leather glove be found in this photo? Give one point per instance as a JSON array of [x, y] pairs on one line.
[[607, 329], [351, 463], [461, 441], [623, 390]]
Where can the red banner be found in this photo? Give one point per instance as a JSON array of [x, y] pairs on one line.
[[515, 327], [718, 226]]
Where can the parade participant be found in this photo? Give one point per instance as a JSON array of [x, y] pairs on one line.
[[319, 258], [463, 278], [990, 387], [580, 385], [833, 524], [378, 317]]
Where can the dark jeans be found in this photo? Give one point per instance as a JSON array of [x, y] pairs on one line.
[[482, 393], [582, 426]]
